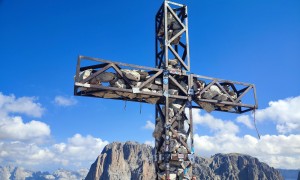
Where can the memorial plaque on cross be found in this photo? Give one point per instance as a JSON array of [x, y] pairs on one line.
[[170, 86]]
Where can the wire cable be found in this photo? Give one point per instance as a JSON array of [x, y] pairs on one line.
[[254, 119]]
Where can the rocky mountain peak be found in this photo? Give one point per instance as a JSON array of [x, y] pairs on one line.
[[131, 160], [128, 160], [240, 166]]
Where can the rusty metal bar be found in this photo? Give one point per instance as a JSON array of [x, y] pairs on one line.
[[151, 79], [179, 112], [177, 137], [224, 91], [177, 84], [222, 80], [166, 35], [176, 4], [226, 103], [178, 57], [243, 94], [97, 73], [77, 69], [187, 49], [207, 87], [177, 35], [93, 66], [117, 63], [121, 74], [255, 98], [175, 16]]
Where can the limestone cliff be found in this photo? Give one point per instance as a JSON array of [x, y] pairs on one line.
[[123, 161], [133, 161]]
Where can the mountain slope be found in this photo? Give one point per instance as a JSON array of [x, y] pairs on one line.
[[123, 161], [130, 160]]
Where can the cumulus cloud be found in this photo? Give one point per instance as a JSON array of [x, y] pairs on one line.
[[24, 105], [216, 125], [279, 151], [149, 125], [284, 113], [286, 110], [25, 154], [23, 143], [79, 151], [65, 101], [245, 119], [13, 128]]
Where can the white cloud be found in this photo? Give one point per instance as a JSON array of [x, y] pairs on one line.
[[278, 151], [150, 143], [216, 125], [79, 148], [13, 128], [25, 154], [149, 125], [245, 119], [23, 143], [286, 110], [287, 127], [65, 101], [24, 105], [285, 113], [77, 152]]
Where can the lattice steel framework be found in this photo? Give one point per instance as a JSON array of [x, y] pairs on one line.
[[170, 86]]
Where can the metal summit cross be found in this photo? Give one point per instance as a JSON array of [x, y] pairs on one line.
[[170, 86]]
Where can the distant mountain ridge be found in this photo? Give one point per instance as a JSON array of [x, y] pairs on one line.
[[19, 173], [130, 161]]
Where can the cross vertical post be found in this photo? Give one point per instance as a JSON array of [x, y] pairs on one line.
[[172, 55]]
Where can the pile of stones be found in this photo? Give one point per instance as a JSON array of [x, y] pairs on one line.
[[214, 93], [135, 78]]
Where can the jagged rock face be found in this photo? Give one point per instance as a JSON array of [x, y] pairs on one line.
[[238, 166], [124, 162], [132, 161]]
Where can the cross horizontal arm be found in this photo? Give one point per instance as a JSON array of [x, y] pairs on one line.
[[145, 84]]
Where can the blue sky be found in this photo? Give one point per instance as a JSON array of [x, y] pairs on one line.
[[250, 41]]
